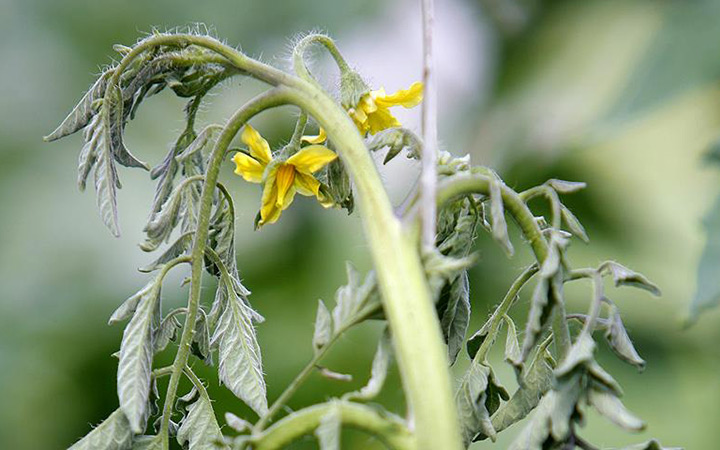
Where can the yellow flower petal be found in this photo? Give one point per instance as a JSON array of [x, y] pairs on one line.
[[307, 184], [285, 180], [269, 212], [408, 98], [319, 139], [248, 167], [380, 120], [259, 147], [312, 158]]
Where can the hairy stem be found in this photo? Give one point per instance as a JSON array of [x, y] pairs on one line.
[[267, 100], [503, 309], [468, 184], [391, 432], [294, 385], [409, 308], [302, 46]]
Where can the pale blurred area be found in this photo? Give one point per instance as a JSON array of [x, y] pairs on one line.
[[622, 94]]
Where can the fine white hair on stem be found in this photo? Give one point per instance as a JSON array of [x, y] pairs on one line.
[[428, 177]]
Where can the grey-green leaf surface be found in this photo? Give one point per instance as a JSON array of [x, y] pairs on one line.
[[328, 432], [200, 430], [323, 327], [611, 407], [148, 443], [127, 308], [497, 213], [477, 398], [113, 433], [622, 276], [707, 292], [240, 363], [512, 346], [620, 342], [136, 356], [456, 316]]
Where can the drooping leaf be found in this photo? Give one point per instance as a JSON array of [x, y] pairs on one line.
[[396, 139], [199, 429], [477, 398], [323, 327], [328, 432], [512, 346], [81, 114], [379, 370], [113, 104], [178, 248], [536, 382], [127, 308], [199, 143], [166, 332], [622, 276], [476, 340], [113, 433], [161, 224], [566, 187], [148, 443], [620, 341], [456, 315], [573, 224], [611, 407], [236, 423], [135, 367], [240, 364], [201, 339], [497, 214]]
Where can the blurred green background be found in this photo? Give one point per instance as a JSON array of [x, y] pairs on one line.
[[623, 94]]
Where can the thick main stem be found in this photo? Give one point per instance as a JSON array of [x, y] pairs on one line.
[[408, 306]]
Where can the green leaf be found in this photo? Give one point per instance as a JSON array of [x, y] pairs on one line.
[[339, 187], [148, 443], [113, 433], [512, 346], [136, 356], [166, 332], [477, 398], [456, 315], [620, 342], [707, 292], [380, 365], [323, 327], [477, 339], [611, 407], [537, 380], [236, 423], [199, 429], [396, 139], [201, 339], [622, 276], [497, 215], [579, 355], [84, 111], [240, 364], [199, 143], [162, 223], [566, 187], [328, 432], [355, 301], [127, 308], [178, 248], [116, 125], [573, 224]]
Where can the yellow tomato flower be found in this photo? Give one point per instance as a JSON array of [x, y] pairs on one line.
[[372, 113], [283, 178]]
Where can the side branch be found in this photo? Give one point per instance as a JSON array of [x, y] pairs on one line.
[[479, 184], [270, 99], [392, 433]]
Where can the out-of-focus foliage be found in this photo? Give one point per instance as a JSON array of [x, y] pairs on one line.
[[559, 81]]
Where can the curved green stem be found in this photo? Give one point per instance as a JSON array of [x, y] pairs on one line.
[[391, 432], [468, 184], [270, 99], [503, 309], [315, 38], [409, 308]]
